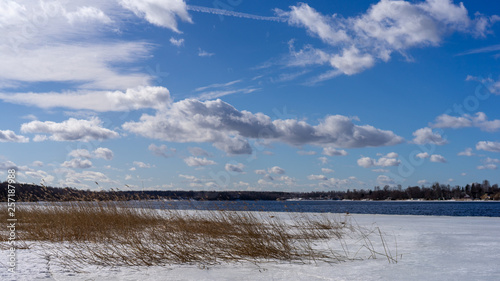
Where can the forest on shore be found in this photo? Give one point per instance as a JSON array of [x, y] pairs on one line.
[[475, 191]]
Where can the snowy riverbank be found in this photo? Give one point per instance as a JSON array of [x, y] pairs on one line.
[[432, 248]]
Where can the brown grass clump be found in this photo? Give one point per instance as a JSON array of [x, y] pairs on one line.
[[111, 234]]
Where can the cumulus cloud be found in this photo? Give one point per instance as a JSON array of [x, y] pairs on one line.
[[260, 172], [71, 130], [197, 162], [161, 150], [491, 160], [104, 153], [327, 171], [176, 42], [323, 160], [317, 177], [387, 27], [466, 152], [422, 155], [80, 153], [198, 151], [229, 129], [276, 170], [385, 161], [37, 163], [385, 180], [330, 151], [77, 163], [101, 152], [236, 168], [10, 136], [438, 158], [142, 164], [487, 167], [132, 99], [426, 135], [479, 120], [488, 146]]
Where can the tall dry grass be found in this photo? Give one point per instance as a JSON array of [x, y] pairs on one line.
[[111, 234]]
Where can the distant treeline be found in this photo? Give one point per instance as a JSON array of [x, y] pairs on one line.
[[32, 193]]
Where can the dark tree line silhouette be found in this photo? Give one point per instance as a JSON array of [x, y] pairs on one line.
[[474, 191]]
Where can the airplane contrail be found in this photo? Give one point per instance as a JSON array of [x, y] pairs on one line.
[[232, 13]]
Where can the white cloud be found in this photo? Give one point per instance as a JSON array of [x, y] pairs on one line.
[[492, 85], [88, 66], [330, 151], [80, 153], [438, 158], [317, 24], [101, 152], [426, 135], [140, 164], [102, 101], [466, 152], [86, 14], [241, 184], [317, 177], [276, 170], [423, 182], [104, 153], [197, 162], [198, 151], [385, 161], [351, 61], [210, 95], [10, 136], [218, 85], [44, 177], [77, 163], [385, 180], [491, 160], [323, 160], [304, 152], [366, 162], [327, 171], [71, 130], [260, 172], [228, 129], [237, 168], [479, 120], [385, 28], [487, 167], [162, 150], [203, 53], [176, 42], [422, 155], [37, 163], [190, 178], [488, 146], [162, 13]]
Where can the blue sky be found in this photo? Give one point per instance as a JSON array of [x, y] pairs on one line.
[[249, 95]]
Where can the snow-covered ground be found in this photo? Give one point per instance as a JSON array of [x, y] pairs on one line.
[[432, 248]]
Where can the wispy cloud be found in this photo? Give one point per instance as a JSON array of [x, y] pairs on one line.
[[233, 14], [488, 49], [203, 53]]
